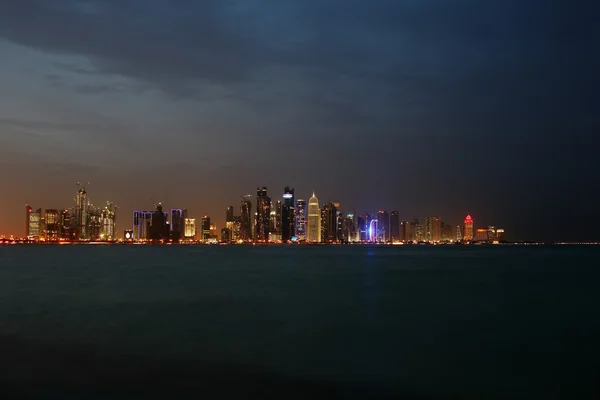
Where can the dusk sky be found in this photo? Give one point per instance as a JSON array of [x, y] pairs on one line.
[[441, 108]]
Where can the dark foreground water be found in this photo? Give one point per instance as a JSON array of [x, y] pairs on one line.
[[299, 322]]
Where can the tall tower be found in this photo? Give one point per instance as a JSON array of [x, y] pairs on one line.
[[287, 215], [246, 218], [300, 219], [383, 226], [468, 231], [394, 227], [81, 213], [313, 228], [263, 213], [28, 211]]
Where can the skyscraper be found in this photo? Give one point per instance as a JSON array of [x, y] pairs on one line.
[[159, 230], [65, 225], [339, 223], [34, 224], [190, 229], [28, 210], [263, 213], [436, 229], [52, 221], [300, 217], [352, 227], [81, 213], [404, 231], [229, 214], [313, 228], [468, 229], [205, 228], [329, 225], [246, 218], [142, 221], [395, 227], [383, 226], [178, 217], [107, 221], [459, 236], [287, 215]]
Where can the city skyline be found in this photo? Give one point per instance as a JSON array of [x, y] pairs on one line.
[[429, 108], [287, 220]]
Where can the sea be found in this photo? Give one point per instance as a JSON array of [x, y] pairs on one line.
[[299, 322]]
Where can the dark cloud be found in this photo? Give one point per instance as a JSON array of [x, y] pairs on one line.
[[442, 107]]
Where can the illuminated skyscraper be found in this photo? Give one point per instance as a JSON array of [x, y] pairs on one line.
[[313, 228], [190, 229], [352, 228], [66, 233], [229, 214], [339, 223], [263, 214], [459, 236], [34, 225], [468, 230], [52, 227], [300, 219], [107, 222], [287, 215], [81, 213], [205, 225], [142, 221], [246, 218], [433, 229]]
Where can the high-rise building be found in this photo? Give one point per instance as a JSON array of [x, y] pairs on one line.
[[364, 223], [205, 224], [81, 213], [300, 218], [246, 218], [288, 223], [263, 214], [190, 229], [66, 233], [213, 232], [329, 223], [468, 229], [235, 232], [352, 227], [313, 228], [28, 210], [229, 214], [459, 236], [107, 221], [178, 217], [435, 226], [383, 226], [339, 223], [159, 230], [34, 227], [404, 231], [275, 220], [395, 227], [374, 230], [142, 221], [52, 227]]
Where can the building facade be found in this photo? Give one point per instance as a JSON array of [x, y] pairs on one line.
[[313, 227]]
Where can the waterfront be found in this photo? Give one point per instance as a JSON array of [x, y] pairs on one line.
[[425, 321]]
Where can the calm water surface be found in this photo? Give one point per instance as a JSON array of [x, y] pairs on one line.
[[300, 322]]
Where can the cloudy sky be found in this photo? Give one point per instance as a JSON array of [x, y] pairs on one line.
[[428, 107]]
